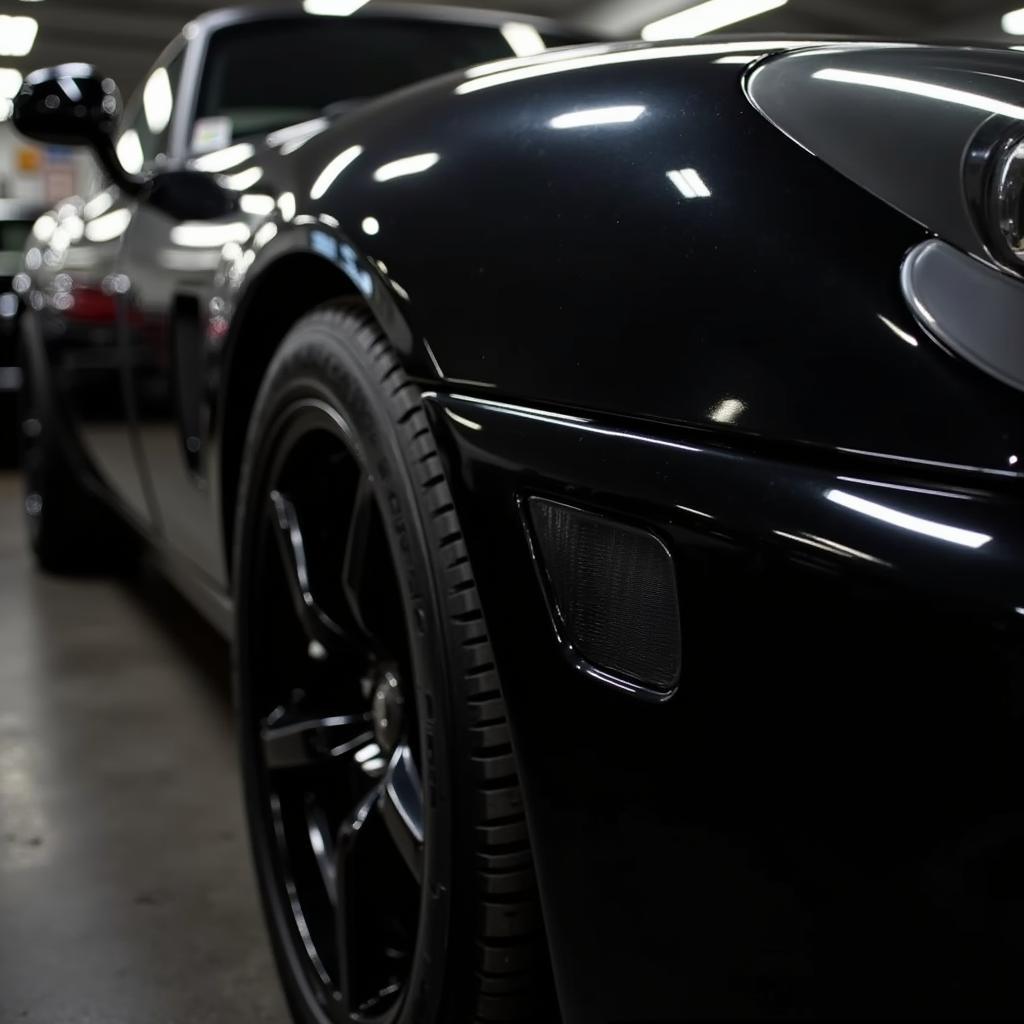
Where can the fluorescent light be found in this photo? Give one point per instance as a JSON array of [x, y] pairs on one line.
[[707, 17], [739, 58], [602, 115], [952, 534], [371, 226], [158, 101], [926, 90], [10, 83], [337, 8], [406, 166], [1013, 23], [224, 159], [524, 39], [690, 183], [17, 34], [330, 173]]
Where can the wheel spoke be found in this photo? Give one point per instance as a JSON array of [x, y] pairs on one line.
[[401, 806], [348, 833], [339, 756], [318, 626], [291, 740], [322, 843], [356, 550]]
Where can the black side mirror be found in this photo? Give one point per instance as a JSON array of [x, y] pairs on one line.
[[71, 105], [189, 195]]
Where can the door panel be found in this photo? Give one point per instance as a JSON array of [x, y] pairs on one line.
[[166, 345], [82, 320]]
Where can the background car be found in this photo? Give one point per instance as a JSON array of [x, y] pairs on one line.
[[606, 465], [16, 219]]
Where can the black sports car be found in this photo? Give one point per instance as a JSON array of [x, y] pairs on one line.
[[606, 462]]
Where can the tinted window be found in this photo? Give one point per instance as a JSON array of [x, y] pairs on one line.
[[13, 235], [149, 116], [268, 74]]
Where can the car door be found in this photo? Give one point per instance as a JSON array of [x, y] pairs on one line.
[[171, 270], [79, 310]]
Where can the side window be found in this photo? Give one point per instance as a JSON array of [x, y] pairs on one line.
[[146, 139]]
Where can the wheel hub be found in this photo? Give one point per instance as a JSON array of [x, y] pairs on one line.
[[387, 709]]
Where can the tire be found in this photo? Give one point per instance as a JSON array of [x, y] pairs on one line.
[[71, 531], [338, 439]]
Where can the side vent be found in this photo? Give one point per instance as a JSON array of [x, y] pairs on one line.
[[611, 590]]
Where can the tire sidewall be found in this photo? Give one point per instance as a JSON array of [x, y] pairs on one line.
[[313, 363]]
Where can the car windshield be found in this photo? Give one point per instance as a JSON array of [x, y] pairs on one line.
[[267, 74]]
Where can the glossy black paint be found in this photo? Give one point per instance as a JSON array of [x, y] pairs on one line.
[[669, 313], [631, 285], [824, 821]]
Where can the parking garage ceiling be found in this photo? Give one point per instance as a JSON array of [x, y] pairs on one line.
[[123, 37]]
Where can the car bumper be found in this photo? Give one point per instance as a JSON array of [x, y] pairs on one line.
[[806, 826]]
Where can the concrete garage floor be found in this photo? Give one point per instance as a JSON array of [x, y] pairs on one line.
[[126, 893]]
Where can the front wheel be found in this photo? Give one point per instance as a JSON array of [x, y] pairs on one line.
[[381, 787]]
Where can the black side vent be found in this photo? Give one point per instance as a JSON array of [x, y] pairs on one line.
[[612, 591]]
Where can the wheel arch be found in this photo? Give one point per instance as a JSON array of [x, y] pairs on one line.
[[288, 283]]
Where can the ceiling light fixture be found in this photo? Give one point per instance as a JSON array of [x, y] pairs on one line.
[[524, 39], [17, 34], [1013, 23], [708, 17], [10, 83], [335, 8]]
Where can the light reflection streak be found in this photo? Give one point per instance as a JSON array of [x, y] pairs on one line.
[[406, 166], [695, 512], [224, 159], [898, 331], [330, 173], [830, 546], [487, 76], [462, 421], [927, 90], [599, 116], [905, 521]]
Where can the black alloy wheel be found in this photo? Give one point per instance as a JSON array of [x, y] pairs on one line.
[[381, 789]]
